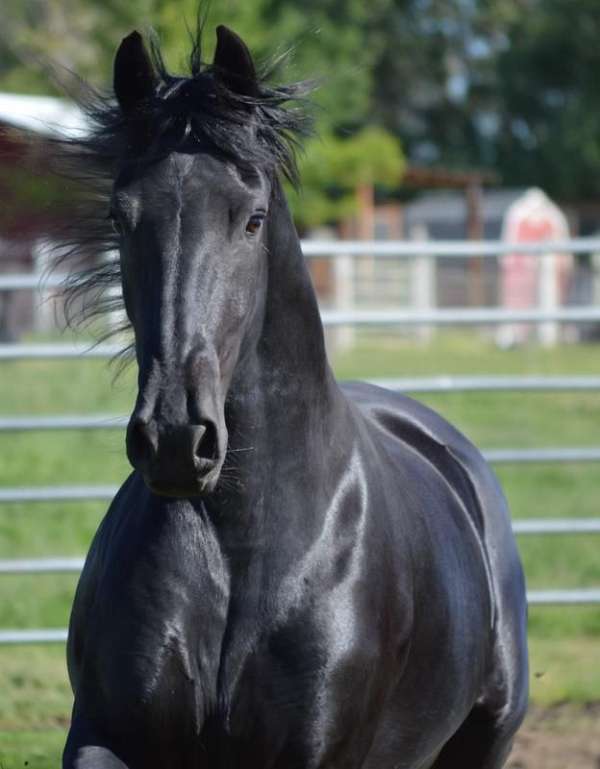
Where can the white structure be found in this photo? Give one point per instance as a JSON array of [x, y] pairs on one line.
[[423, 280], [45, 115], [527, 281]]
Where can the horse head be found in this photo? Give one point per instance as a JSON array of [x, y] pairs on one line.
[[190, 213]]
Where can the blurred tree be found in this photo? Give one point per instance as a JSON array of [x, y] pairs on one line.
[[38, 35], [430, 80], [333, 169], [332, 40], [335, 40], [504, 84], [548, 97]]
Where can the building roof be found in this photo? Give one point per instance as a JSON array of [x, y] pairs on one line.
[[448, 206], [45, 115], [445, 215], [428, 177]]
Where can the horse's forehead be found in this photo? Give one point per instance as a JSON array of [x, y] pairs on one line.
[[178, 166], [200, 170]]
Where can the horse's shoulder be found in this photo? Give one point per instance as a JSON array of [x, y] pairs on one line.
[[416, 433], [408, 419], [412, 429]]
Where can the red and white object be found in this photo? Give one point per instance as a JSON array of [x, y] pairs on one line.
[[528, 280]]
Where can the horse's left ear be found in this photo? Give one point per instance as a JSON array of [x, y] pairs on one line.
[[233, 63], [134, 76]]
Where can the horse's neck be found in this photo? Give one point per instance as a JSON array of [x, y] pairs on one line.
[[292, 339], [288, 363], [285, 410]]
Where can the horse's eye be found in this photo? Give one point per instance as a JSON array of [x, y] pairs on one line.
[[254, 223]]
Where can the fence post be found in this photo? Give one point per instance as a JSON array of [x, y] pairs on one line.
[[343, 298], [548, 298], [43, 303], [117, 318], [423, 288]]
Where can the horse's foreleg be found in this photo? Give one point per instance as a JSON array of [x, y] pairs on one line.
[[482, 742], [94, 757], [83, 751]]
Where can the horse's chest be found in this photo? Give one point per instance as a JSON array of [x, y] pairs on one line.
[[295, 686]]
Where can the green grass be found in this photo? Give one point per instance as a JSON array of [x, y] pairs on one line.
[[565, 670], [35, 749], [34, 695]]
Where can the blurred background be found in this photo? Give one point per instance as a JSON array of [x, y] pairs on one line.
[[450, 213]]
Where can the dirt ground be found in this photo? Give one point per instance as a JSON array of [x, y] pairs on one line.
[[561, 737]]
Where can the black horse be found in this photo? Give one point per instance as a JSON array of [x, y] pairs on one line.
[[297, 573]]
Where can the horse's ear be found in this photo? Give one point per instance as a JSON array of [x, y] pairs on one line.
[[233, 63], [134, 78]]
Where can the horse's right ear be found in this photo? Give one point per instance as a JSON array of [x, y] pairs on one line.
[[134, 77]]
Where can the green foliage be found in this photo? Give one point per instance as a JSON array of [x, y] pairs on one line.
[[330, 39], [492, 83], [333, 167], [506, 85], [548, 91]]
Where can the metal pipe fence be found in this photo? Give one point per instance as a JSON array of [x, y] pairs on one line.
[[448, 248], [62, 422], [450, 384], [548, 598], [478, 316], [494, 456], [333, 318], [394, 249], [42, 494], [57, 494], [16, 352], [524, 527], [436, 384]]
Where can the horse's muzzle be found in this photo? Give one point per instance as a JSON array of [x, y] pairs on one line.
[[177, 461]]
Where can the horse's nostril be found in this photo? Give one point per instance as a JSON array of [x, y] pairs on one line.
[[206, 444], [142, 442]]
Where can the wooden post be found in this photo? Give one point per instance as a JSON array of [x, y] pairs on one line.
[[475, 231], [365, 196]]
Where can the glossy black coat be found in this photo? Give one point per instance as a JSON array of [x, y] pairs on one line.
[[347, 596]]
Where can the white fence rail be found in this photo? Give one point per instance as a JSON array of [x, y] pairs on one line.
[[551, 598], [449, 384], [476, 316], [391, 249], [18, 495], [334, 318], [447, 248]]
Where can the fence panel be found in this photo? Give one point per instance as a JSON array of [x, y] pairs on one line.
[[426, 317]]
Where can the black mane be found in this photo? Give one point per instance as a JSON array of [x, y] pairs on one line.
[[186, 112], [198, 109]]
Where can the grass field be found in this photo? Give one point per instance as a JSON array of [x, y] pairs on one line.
[[34, 694]]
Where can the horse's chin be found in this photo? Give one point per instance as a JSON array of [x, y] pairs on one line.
[[193, 487]]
